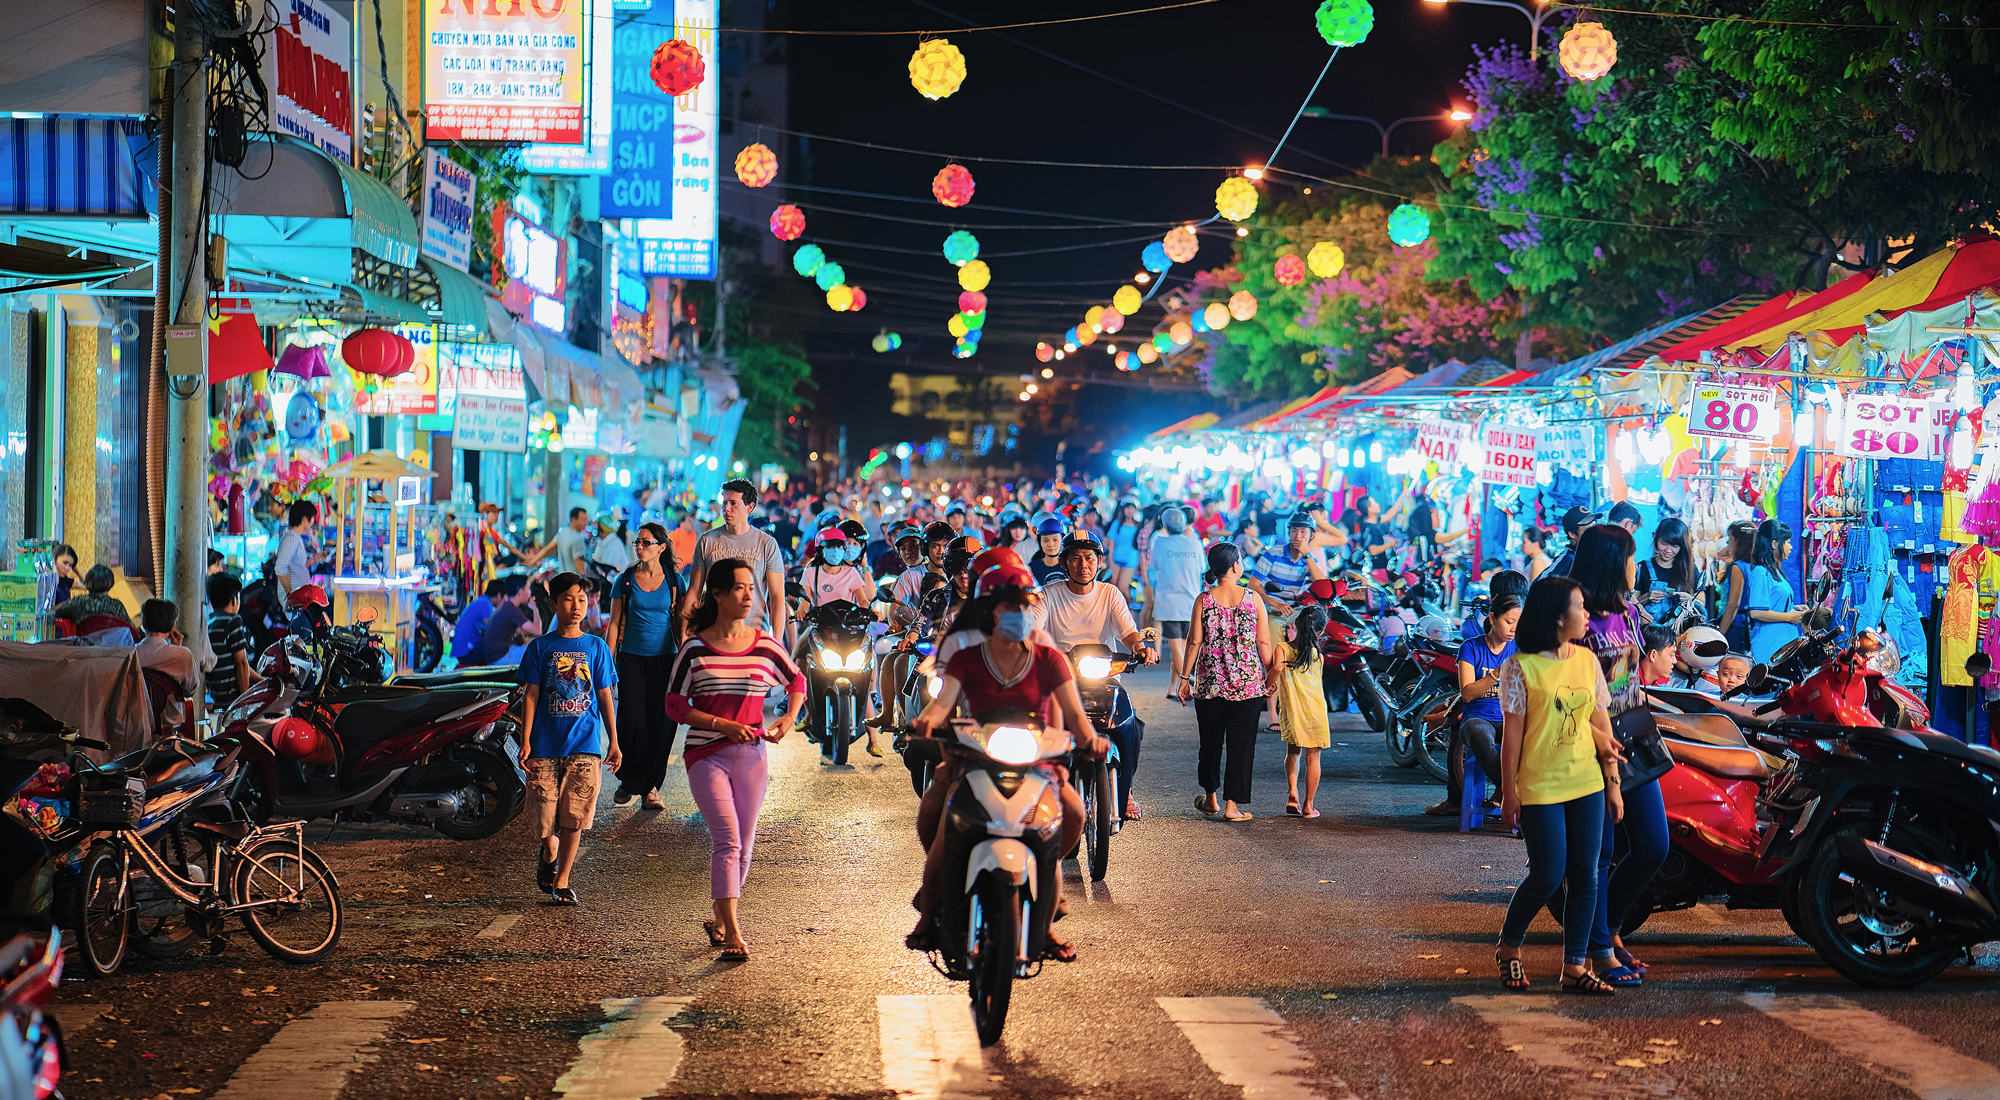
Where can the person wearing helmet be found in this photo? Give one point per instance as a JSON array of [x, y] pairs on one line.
[[955, 517], [1013, 530], [1280, 573], [1049, 537], [906, 551], [909, 587], [835, 573]]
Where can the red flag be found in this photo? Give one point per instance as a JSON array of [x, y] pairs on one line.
[[235, 346]]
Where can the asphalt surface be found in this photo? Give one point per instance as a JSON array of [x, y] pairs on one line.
[[1350, 955]]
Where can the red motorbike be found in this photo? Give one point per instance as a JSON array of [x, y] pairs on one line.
[[32, 1056], [1349, 649]]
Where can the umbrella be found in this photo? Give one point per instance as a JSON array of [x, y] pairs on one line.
[[305, 363]]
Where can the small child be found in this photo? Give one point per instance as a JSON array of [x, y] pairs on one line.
[[1295, 683], [569, 732], [230, 640]]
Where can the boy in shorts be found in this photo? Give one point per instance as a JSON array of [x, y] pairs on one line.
[[570, 731]]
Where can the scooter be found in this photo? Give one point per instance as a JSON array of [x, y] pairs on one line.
[[32, 1056], [1105, 702], [1349, 651], [839, 657], [434, 627]]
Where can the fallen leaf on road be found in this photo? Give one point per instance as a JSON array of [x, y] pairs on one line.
[[414, 1042], [504, 1080], [995, 1077], [268, 989], [1324, 881], [1665, 1042], [1461, 970], [1430, 1061], [1430, 956], [1517, 1047], [204, 1004], [1704, 1023], [1444, 1061], [1634, 1063], [426, 1066], [225, 1029], [186, 1091], [1329, 996], [1486, 866], [1600, 1075]]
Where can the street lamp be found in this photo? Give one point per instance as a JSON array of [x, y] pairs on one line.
[[1385, 131], [1535, 18]]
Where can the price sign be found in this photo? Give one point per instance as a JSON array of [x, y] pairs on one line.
[[1885, 426], [1443, 441], [1510, 457], [1732, 412]]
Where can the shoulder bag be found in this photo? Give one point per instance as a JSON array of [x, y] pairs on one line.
[[1646, 759]]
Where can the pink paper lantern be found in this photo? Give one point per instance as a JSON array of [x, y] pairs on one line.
[[788, 222], [971, 301], [953, 185], [1290, 270], [860, 299]]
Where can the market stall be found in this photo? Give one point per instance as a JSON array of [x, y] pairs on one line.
[[377, 511]]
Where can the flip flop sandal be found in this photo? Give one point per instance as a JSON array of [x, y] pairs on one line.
[[734, 955], [1060, 952], [1310, 814], [1292, 809], [1203, 803], [545, 875], [1622, 977], [1512, 974], [1238, 817], [1587, 985], [714, 930], [1625, 958], [564, 895]]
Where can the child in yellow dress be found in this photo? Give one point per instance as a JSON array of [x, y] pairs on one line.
[[1295, 683]]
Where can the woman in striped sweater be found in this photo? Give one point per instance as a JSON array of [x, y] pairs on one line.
[[725, 670]]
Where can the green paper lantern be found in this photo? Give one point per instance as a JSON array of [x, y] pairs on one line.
[[1409, 225], [1344, 22], [829, 275], [807, 260], [975, 320], [961, 248]]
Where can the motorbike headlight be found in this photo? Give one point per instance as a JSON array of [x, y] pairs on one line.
[[857, 660], [935, 687], [1014, 745], [830, 660], [1094, 668]]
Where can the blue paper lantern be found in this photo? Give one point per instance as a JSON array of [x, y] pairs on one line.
[[961, 247], [807, 260], [1155, 258], [972, 335], [1409, 225], [1199, 321], [829, 275], [1069, 337]]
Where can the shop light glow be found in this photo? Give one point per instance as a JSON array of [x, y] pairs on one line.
[[1375, 451]]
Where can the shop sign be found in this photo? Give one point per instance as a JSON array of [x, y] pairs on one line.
[[511, 72], [579, 431], [1721, 411], [593, 157], [1443, 441], [1510, 456], [1567, 446], [308, 65], [1888, 426], [448, 206], [412, 392], [483, 422], [664, 152], [493, 370], [537, 266]]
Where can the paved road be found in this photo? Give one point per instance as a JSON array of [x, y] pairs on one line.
[[1278, 958]]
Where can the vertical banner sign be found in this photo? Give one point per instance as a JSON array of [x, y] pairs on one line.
[[1443, 441], [505, 71], [308, 67], [641, 181], [680, 239], [1880, 425], [1510, 457], [415, 390], [1722, 411], [448, 191]]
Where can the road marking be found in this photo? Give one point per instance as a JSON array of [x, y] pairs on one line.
[[1544, 1037], [1888, 1049], [930, 1048], [310, 1058], [1248, 1045], [632, 1054], [1708, 913], [499, 926]]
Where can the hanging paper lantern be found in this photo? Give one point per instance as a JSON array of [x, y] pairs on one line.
[[1243, 305], [1085, 337], [1111, 321], [1326, 259], [972, 335], [971, 301], [1154, 257], [1123, 360], [937, 69], [808, 259], [1344, 22], [961, 247], [1092, 315], [677, 68], [788, 222], [975, 320], [1199, 322], [860, 299], [952, 185], [1181, 332], [756, 165], [1148, 353], [1409, 225], [378, 352], [1180, 244], [895, 340], [1162, 341], [974, 276], [1588, 51], [1217, 314], [957, 326], [1069, 339], [1290, 270], [1236, 199], [1043, 351], [839, 298], [1127, 300], [964, 350], [830, 275], [880, 343]]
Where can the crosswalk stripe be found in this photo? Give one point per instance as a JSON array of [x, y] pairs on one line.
[[310, 1058], [1888, 1049], [631, 1055], [499, 927], [1248, 1045], [1545, 1038], [930, 1048]]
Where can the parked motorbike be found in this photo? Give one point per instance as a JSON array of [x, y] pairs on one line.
[[1105, 702], [32, 1056], [839, 656], [432, 632], [1349, 650], [1002, 828]]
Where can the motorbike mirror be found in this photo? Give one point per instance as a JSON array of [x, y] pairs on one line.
[[1714, 647], [366, 615], [1977, 665], [1760, 674]]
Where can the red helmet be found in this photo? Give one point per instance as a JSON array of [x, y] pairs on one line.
[[307, 595], [297, 739], [998, 579]]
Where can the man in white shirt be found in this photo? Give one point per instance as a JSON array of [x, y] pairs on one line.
[[1087, 611], [295, 556], [611, 552]]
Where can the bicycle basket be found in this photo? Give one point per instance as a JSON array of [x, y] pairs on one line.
[[108, 800]]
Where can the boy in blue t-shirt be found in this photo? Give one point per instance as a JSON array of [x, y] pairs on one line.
[[570, 731]]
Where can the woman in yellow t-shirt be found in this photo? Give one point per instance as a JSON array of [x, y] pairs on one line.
[[1558, 767]]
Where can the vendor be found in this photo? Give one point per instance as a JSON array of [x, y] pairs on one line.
[[1774, 618], [95, 601]]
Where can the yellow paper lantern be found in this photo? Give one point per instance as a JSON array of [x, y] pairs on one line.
[[840, 297], [1588, 51], [1181, 333], [1217, 315], [1111, 321], [956, 326], [1243, 305], [1180, 244], [1127, 300], [756, 165], [1326, 259], [1092, 316], [1148, 353], [974, 276], [937, 69], [1085, 336], [1236, 199]]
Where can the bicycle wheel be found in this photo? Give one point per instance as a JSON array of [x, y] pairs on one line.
[[295, 914], [1431, 750], [162, 927], [103, 913]]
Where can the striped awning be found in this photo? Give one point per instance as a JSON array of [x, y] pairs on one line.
[[69, 167]]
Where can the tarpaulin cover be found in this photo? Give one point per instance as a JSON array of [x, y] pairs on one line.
[[1930, 283]]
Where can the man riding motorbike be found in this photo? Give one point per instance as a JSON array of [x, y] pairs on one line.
[[1081, 610]]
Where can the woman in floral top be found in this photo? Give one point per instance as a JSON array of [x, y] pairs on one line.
[[1229, 655]]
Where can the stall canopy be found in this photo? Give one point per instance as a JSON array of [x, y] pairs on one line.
[[1947, 276], [1195, 423], [1689, 331], [376, 466]]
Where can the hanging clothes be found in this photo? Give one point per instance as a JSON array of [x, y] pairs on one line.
[[1960, 618]]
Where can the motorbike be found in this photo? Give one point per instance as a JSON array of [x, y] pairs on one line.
[[1422, 682], [432, 633], [32, 1055], [1105, 702], [1349, 650], [839, 656], [1002, 827], [920, 682]]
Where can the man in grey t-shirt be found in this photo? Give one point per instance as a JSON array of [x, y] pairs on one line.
[[737, 539], [571, 549]]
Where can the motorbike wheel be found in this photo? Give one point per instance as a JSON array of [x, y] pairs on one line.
[[833, 728], [427, 647], [1374, 708], [1852, 925], [166, 935], [102, 915], [295, 902], [994, 940], [1097, 822], [1788, 907], [489, 802], [1433, 747], [1401, 748]]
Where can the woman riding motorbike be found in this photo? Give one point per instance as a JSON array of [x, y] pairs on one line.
[[835, 575]]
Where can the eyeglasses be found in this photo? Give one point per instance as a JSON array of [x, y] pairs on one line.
[[643, 543]]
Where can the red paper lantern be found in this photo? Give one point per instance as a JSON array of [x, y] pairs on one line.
[[379, 352], [972, 301], [860, 299], [953, 185], [677, 67], [1290, 270], [788, 222]]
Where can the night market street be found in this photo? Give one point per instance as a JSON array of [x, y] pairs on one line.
[[1272, 958]]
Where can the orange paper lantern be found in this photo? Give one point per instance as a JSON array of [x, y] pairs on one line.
[[756, 165], [1085, 336], [1181, 333], [788, 222], [953, 185], [1180, 244], [677, 68], [1243, 305], [1044, 352]]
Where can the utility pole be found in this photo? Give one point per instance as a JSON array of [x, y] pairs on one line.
[[186, 269]]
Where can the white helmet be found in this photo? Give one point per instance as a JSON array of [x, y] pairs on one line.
[[1438, 629], [1696, 636]]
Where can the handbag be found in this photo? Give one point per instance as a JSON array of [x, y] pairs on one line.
[[1646, 758]]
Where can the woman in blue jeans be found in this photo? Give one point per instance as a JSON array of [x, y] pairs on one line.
[[1606, 568]]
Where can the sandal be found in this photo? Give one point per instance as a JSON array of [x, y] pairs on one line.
[[1626, 960], [1587, 984], [564, 895], [1292, 808], [545, 875], [714, 930], [734, 954], [1207, 804], [1060, 952], [1512, 974], [920, 939], [653, 801], [1622, 977], [1240, 815], [1310, 814]]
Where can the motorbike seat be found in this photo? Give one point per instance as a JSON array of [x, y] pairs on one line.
[[163, 762], [1985, 759], [369, 721], [1717, 760], [476, 674]]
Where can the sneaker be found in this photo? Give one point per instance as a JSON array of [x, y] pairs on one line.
[[622, 798]]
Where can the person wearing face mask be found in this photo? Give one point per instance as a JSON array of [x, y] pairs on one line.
[[833, 575]]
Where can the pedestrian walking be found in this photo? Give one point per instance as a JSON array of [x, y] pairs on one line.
[[727, 666], [1295, 681], [1173, 568], [569, 731], [1229, 651], [643, 634], [1558, 772]]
